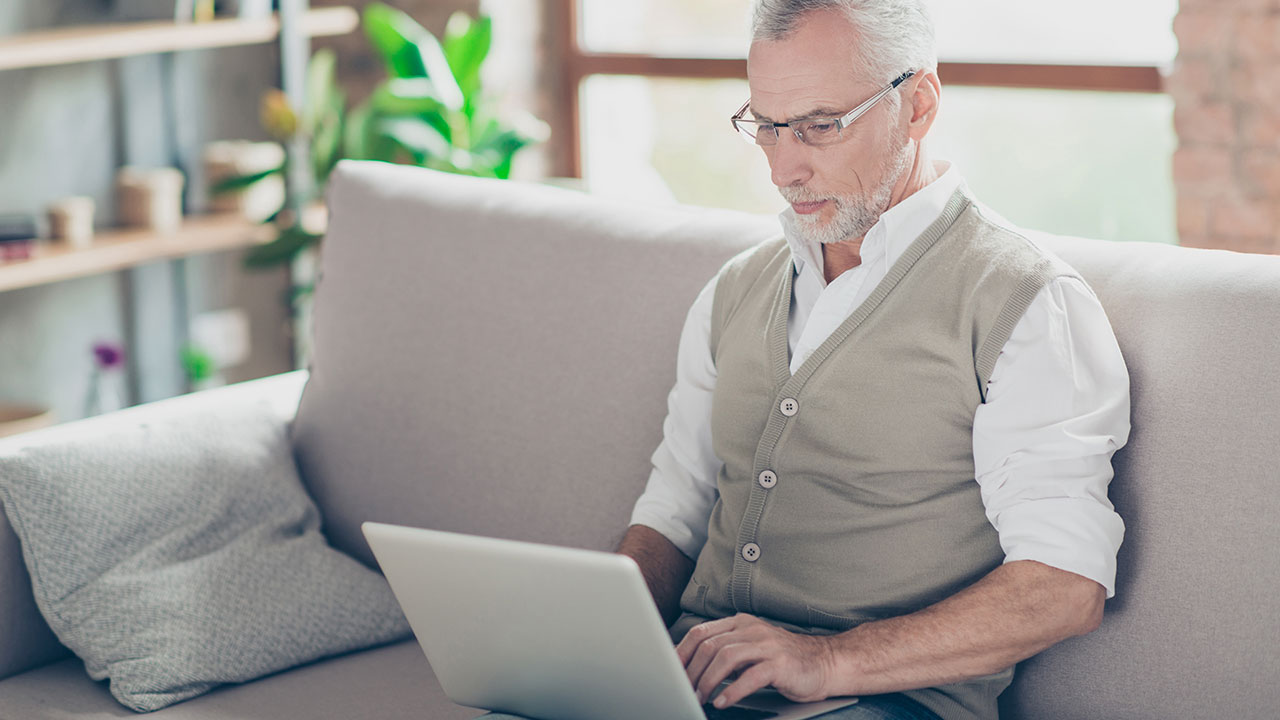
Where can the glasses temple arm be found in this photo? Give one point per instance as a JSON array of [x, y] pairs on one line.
[[857, 112]]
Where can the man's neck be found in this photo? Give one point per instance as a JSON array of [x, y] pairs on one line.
[[847, 254]]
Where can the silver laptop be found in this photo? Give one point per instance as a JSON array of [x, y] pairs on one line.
[[547, 632]]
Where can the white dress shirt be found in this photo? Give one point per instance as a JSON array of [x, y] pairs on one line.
[[1057, 405]]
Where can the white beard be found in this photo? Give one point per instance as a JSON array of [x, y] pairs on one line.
[[854, 214]]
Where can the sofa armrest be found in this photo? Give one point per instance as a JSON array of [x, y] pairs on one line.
[[25, 640]]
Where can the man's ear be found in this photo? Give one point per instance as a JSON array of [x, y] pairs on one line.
[[926, 94]]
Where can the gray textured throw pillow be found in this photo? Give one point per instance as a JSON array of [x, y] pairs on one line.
[[175, 551]]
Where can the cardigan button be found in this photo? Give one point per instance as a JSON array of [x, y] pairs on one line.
[[789, 407], [751, 552], [768, 479]]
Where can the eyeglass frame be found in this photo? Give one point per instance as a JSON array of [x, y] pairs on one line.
[[841, 122]]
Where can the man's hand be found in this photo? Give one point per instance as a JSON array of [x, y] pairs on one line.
[[798, 666], [1014, 612]]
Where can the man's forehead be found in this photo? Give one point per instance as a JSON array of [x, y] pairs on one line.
[[811, 70], [783, 91]]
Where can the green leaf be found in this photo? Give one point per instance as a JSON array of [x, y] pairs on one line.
[[420, 138], [408, 96], [291, 241], [321, 86], [358, 132], [437, 66], [523, 124], [327, 137], [338, 102], [503, 146], [411, 51], [300, 292], [196, 363], [272, 217], [415, 97], [240, 182], [326, 147], [385, 27], [492, 163], [466, 45], [502, 170], [498, 143]]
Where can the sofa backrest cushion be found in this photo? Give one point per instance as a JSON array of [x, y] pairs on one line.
[[1195, 625], [494, 357]]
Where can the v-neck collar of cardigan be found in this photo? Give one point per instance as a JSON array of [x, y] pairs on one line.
[[779, 348]]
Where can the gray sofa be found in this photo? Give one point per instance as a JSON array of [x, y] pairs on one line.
[[494, 358]]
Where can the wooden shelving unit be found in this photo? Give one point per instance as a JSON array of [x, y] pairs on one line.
[[62, 46], [121, 249]]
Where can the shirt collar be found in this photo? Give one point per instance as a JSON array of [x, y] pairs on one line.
[[896, 229]]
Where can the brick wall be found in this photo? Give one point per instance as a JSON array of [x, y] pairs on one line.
[[1226, 89]]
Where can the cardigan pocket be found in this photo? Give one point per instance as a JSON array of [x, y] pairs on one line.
[[694, 599], [839, 623]]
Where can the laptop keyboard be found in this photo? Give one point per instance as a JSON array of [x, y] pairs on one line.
[[736, 713]]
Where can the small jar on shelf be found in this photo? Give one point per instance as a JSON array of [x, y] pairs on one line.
[[150, 198], [71, 221]]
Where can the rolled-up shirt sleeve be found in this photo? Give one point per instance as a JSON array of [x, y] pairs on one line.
[[681, 491], [1057, 409]]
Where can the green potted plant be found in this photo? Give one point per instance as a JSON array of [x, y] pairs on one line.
[[431, 110]]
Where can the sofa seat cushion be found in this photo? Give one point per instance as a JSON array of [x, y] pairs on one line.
[[388, 683]]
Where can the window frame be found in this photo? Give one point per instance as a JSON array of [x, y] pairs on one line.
[[579, 64]]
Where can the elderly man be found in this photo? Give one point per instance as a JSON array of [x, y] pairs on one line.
[[890, 439], [889, 443]]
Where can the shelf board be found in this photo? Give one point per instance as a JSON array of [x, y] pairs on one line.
[[121, 249], [61, 46]]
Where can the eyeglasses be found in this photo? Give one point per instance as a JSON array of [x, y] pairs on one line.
[[815, 131]]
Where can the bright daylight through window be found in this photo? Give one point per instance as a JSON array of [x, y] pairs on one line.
[[1068, 161]]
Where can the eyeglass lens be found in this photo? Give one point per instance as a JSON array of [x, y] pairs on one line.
[[810, 132]]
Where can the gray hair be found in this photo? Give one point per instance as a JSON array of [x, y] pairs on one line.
[[897, 35]]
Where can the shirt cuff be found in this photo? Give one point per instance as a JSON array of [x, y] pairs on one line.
[[654, 513], [1078, 535]]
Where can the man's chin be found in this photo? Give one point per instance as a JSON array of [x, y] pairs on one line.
[[825, 231]]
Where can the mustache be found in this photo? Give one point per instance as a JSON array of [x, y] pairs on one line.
[[801, 194]]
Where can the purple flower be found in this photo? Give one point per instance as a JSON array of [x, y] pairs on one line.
[[108, 355]]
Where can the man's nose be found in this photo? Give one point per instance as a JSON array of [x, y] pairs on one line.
[[789, 160]]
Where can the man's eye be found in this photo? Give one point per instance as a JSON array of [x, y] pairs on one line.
[[821, 127]]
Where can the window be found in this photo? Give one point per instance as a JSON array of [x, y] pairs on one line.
[[1081, 32], [674, 28], [1054, 113]]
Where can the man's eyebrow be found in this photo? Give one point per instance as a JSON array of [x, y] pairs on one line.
[[820, 112]]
